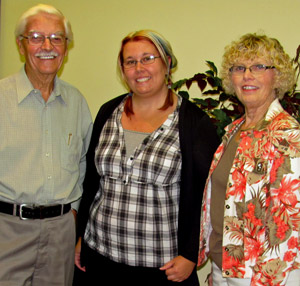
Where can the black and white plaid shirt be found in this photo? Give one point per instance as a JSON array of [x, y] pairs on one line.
[[134, 217]]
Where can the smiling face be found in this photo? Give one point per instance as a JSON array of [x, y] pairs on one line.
[[144, 80], [255, 91], [43, 60]]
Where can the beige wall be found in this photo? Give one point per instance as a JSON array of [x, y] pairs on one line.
[[197, 29]]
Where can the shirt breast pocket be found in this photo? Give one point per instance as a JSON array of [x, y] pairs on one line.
[[71, 148]]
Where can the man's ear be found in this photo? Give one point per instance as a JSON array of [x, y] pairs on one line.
[[66, 51], [20, 45]]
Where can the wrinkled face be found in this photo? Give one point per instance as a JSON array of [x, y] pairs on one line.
[[254, 90], [44, 59], [144, 79]]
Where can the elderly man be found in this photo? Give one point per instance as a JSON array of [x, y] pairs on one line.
[[45, 127]]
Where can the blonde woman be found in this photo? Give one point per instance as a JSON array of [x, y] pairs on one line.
[[251, 206]]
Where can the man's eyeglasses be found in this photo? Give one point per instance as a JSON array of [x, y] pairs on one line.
[[146, 60], [255, 69], [37, 39]]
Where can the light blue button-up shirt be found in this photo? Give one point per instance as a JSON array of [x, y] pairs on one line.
[[42, 144]]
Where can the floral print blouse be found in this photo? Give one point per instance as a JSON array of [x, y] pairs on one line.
[[261, 234]]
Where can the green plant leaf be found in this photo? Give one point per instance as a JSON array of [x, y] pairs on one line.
[[218, 81], [212, 67], [200, 101], [214, 82], [223, 97], [178, 84], [210, 73], [212, 102], [184, 94], [220, 115]]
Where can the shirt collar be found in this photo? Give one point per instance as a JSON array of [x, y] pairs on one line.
[[25, 87], [274, 109]]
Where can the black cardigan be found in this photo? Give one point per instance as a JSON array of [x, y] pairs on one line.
[[198, 142]]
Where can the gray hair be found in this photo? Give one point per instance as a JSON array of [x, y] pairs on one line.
[[42, 8]]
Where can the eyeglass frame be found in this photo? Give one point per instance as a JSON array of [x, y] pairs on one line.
[[265, 67], [44, 37], [152, 57]]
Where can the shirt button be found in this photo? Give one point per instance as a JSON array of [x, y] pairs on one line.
[[47, 154], [228, 207], [49, 177]]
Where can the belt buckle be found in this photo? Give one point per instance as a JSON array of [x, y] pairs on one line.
[[21, 211], [62, 210]]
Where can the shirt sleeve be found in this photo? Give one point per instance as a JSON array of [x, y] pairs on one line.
[[87, 127]]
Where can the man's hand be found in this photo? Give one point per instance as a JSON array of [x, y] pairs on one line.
[[74, 213]]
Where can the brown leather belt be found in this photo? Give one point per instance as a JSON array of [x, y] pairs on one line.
[[27, 211]]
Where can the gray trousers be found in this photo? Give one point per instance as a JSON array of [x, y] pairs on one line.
[[37, 252]]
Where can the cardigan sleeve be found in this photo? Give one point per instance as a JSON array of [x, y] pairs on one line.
[[198, 142], [91, 181]]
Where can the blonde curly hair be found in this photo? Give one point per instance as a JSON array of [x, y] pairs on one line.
[[253, 46]]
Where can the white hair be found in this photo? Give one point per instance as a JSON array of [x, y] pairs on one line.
[[42, 8]]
